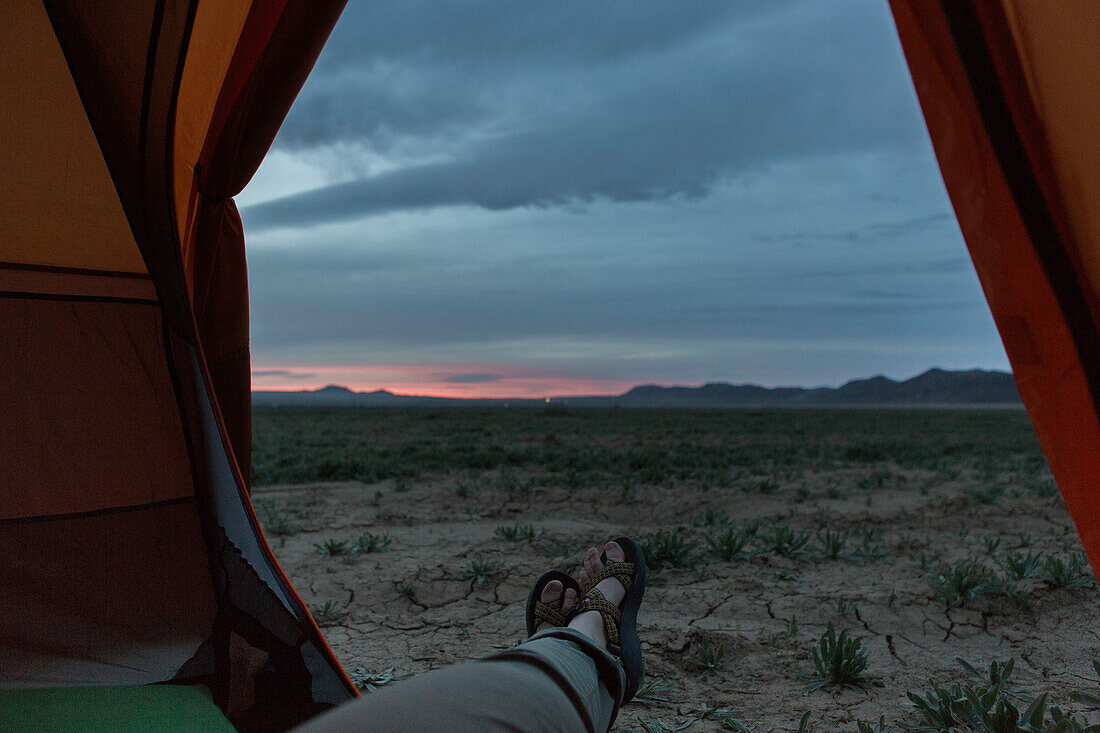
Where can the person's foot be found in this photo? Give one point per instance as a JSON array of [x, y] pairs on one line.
[[551, 594], [590, 623]]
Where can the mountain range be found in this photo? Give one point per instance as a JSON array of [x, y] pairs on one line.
[[933, 387]]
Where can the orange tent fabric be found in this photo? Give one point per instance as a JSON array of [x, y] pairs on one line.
[[1010, 92], [129, 551]]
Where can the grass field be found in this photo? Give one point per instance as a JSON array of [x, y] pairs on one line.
[[829, 563]]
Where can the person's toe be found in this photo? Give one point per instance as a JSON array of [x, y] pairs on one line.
[[551, 592], [592, 564], [569, 600], [614, 551], [551, 595]]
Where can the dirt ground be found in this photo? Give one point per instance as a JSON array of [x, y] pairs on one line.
[[444, 563]]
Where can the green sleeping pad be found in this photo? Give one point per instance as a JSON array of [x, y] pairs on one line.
[[175, 708]]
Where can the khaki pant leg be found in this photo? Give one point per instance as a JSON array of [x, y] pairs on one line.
[[556, 681]]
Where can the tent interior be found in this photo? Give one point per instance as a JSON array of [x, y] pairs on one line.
[[133, 572]]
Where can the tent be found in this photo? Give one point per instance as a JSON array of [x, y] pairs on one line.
[[131, 562], [1010, 90], [129, 551]]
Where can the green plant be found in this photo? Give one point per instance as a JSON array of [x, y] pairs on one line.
[[368, 542], [656, 725], [332, 548], [832, 543], [724, 717], [839, 660], [729, 544], [1070, 572], [785, 541], [479, 571], [367, 681], [792, 628], [653, 690], [991, 543], [958, 583], [863, 726], [559, 549], [1023, 565], [986, 706], [328, 613], [711, 518], [275, 523], [516, 532], [845, 606], [406, 589], [767, 486], [710, 656], [1087, 697], [668, 548], [869, 547]]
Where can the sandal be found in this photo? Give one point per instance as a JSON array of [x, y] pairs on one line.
[[621, 622], [551, 613]]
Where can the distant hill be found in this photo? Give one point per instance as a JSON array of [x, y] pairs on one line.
[[933, 387]]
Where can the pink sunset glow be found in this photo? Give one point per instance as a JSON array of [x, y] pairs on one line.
[[436, 380]]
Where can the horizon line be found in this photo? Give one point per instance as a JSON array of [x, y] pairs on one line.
[[636, 385]]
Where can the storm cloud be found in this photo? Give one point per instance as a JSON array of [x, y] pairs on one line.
[[652, 191], [502, 106]]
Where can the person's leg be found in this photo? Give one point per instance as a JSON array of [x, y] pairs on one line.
[[559, 680]]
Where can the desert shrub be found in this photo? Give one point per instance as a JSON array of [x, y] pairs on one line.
[[328, 613], [832, 543], [986, 705], [479, 571], [1071, 571], [1021, 565], [367, 681], [839, 661], [709, 655], [368, 542], [729, 544], [784, 541], [711, 518], [958, 583], [515, 532], [332, 548], [669, 548]]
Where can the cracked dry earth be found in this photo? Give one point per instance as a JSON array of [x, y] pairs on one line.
[[413, 606]]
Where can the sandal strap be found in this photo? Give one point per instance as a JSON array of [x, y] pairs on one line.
[[549, 614], [623, 572], [594, 600]]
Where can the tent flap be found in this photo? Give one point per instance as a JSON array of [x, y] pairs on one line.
[[1013, 116]]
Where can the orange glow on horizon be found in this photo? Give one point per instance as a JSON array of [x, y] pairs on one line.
[[463, 381]]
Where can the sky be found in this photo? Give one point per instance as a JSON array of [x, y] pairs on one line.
[[517, 199]]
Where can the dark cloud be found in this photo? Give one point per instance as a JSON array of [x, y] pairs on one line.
[[617, 102], [473, 378], [283, 373], [420, 67], [871, 233]]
